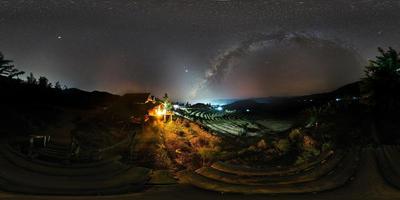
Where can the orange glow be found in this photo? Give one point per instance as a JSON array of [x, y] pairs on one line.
[[158, 111], [161, 111]]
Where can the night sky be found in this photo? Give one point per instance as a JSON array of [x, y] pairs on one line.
[[198, 49]]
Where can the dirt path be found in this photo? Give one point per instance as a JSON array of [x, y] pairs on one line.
[[145, 145]]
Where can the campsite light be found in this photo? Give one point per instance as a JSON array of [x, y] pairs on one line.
[[161, 111]]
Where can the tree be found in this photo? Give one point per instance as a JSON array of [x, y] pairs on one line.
[[57, 86], [7, 69], [167, 104], [31, 79], [381, 92], [382, 83], [43, 82], [5, 65]]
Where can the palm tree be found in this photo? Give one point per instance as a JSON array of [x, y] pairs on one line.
[[7, 69]]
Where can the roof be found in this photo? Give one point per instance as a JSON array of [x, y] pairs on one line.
[[137, 97]]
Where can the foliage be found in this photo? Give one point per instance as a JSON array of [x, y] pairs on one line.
[[7, 69], [57, 86], [208, 154], [381, 85], [308, 148], [162, 160], [189, 145], [316, 113], [31, 79], [381, 94], [44, 82], [295, 134], [326, 146], [283, 145]]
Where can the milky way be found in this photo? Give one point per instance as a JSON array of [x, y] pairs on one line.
[[168, 46]]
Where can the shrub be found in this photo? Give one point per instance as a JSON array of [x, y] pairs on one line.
[[262, 144], [208, 154], [162, 160], [307, 155], [326, 146], [283, 145], [295, 134]]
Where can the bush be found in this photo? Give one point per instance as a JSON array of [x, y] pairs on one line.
[[162, 160], [208, 154], [326, 147], [307, 155], [283, 145], [295, 134]]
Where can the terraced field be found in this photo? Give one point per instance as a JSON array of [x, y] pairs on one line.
[[22, 174], [330, 171], [229, 124], [365, 182]]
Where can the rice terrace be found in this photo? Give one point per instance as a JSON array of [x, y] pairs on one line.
[[221, 99]]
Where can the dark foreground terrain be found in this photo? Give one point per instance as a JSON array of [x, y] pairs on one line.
[[367, 183], [72, 144]]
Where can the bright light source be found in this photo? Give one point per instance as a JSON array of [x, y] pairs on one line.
[[338, 99], [247, 110], [176, 106], [160, 111], [219, 108]]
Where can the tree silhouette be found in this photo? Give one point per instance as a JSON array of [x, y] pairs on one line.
[[381, 88], [382, 83], [7, 69], [31, 79], [5, 65], [43, 82], [57, 86]]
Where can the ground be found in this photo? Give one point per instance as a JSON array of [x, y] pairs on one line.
[[367, 184], [187, 144]]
